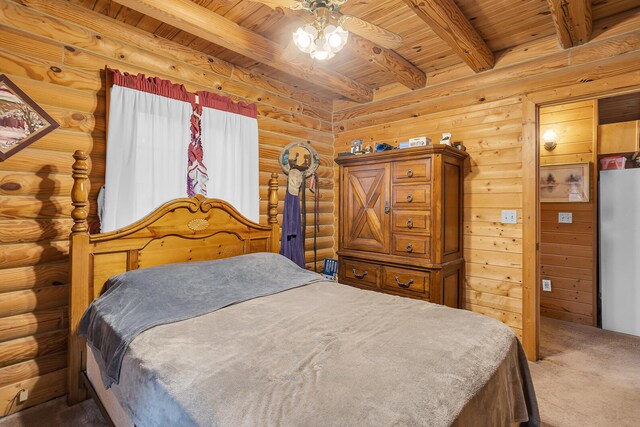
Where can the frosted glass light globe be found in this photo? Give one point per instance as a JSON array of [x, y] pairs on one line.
[[304, 38], [549, 135], [336, 37]]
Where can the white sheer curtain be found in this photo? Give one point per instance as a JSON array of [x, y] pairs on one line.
[[147, 145], [230, 145]]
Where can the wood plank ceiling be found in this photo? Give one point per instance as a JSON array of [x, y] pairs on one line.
[[494, 26]]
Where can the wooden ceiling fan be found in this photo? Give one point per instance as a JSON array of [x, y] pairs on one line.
[[328, 11]]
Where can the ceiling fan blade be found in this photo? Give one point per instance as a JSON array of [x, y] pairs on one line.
[[279, 3], [376, 34], [290, 52]]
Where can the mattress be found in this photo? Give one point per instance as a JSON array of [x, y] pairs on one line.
[[324, 354], [109, 401]]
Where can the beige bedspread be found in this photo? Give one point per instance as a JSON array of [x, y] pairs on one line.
[[327, 355]]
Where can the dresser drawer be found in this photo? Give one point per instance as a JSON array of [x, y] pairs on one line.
[[412, 221], [412, 245], [406, 281], [412, 171], [412, 196], [360, 273]]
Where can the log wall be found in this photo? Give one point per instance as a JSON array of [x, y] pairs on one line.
[[56, 52], [568, 252], [485, 113]]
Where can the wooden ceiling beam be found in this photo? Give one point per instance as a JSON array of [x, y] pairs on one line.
[[447, 20], [572, 20], [388, 61], [201, 22]]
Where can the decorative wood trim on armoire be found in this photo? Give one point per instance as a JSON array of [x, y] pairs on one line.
[[401, 223]]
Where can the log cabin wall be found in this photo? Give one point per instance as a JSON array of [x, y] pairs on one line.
[[568, 252], [484, 112], [56, 52]]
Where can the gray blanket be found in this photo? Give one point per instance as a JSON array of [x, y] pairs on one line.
[[328, 355], [141, 299]]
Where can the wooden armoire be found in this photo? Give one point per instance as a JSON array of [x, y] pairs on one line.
[[400, 215]]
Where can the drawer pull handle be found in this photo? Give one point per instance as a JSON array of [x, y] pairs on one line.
[[409, 248], [404, 284], [410, 173], [409, 198], [358, 275], [410, 223]]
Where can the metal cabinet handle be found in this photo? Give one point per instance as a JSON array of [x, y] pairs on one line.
[[410, 173], [409, 198], [405, 284], [409, 248], [359, 276], [410, 223], [386, 207]]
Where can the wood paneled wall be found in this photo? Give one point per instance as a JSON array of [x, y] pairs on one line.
[[56, 52], [484, 112], [493, 252], [568, 252]]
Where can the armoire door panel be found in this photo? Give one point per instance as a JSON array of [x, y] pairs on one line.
[[366, 207]]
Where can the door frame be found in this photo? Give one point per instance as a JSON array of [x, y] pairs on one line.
[[531, 104]]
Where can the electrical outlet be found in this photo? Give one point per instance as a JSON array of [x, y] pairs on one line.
[[509, 217], [565, 217], [546, 285]]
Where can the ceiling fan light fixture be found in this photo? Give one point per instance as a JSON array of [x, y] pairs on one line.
[[319, 41]]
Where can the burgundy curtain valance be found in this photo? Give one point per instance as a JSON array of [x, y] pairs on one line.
[[212, 100], [166, 88], [153, 85]]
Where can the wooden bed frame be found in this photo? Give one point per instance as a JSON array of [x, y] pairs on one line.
[[182, 230]]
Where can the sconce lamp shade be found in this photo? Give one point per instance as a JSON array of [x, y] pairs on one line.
[[549, 138]]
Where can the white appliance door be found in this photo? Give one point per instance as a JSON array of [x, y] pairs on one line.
[[620, 250]]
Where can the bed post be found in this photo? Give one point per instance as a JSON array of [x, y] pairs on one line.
[[273, 213], [79, 294]]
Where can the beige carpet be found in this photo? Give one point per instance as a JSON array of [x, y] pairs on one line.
[[56, 413], [587, 377]]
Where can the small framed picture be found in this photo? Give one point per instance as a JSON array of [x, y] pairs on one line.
[[22, 121], [567, 182], [356, 146]]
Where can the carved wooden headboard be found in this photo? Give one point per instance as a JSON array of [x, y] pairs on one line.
[[182, 230]]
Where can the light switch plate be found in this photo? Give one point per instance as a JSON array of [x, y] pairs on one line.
[[546, 285], [509, 217], [565, 218]]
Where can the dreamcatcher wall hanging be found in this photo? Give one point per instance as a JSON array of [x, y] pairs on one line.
[[299, 161]]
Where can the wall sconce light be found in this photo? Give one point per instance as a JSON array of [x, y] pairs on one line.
[[549, 138]]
